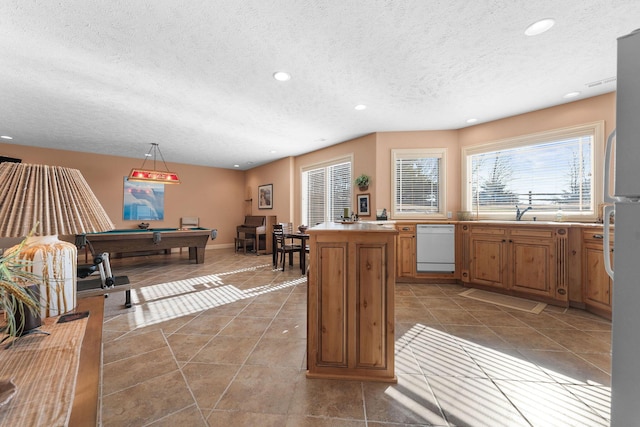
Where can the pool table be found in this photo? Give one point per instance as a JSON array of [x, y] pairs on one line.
[[152, 239]]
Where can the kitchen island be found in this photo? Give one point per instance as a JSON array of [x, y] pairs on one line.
[[351, 302]]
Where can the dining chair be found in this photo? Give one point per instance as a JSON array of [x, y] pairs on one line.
[[189, 221], [284, 246], [306, 252]]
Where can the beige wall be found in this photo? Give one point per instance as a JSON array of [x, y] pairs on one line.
[[218, 196], [280, 174], [447, 139], [362, 149], [601, 107]]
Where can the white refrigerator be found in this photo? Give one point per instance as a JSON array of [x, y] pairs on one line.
[[625, 374]]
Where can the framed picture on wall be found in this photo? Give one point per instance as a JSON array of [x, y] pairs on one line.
[[143, 201], [265, 196], [363, 205]]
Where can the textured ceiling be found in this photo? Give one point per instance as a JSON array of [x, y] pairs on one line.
[[195, 76]]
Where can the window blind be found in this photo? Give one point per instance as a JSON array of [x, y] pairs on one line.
[[326, 192], [418, 182], [548, 176]]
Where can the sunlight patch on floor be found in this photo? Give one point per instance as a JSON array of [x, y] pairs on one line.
[[476, 385], [171, 300]]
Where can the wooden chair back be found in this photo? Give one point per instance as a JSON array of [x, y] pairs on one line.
[[278, 236], [282, 245]]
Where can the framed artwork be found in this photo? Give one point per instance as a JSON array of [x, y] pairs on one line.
[[363, 205], [143, 201], [265, 196]]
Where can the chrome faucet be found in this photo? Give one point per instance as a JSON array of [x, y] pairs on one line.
[[520, 213]]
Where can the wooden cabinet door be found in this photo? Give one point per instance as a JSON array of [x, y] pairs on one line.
[[518, 259], [597, 281], [597, 286], [488, 261], [406, 254], [372, 306], [331, 297], [532, 266]]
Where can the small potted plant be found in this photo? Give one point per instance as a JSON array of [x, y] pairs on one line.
[[363, 182], [15, 297]]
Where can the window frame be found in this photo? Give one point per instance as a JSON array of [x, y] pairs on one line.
[[595, 129], [400, 153], [306, 168]]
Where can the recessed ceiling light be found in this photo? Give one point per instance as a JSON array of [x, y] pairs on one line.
[[360, 107], [472, 120], [571, 95], [539, 27], [5, 137], [236, 166], [281, 76], [273, 151]]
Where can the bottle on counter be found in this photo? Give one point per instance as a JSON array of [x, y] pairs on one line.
[[559, 215]]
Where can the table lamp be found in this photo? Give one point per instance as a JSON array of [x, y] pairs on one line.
[[50, 201]]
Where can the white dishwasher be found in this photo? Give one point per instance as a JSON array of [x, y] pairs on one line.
[[436, 248]]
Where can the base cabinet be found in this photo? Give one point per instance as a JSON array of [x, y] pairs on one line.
[[351, 302], [488, 257], [406, 251], [597, 284], [527, 261], [534, 265]]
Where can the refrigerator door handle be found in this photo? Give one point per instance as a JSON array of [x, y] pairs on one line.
[[608, 197], [609, 210]]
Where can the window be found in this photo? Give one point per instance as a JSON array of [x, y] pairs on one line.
[[551, 172], [326, 191], [418, 182]]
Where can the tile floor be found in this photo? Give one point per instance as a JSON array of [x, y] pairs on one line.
[[223, 344]]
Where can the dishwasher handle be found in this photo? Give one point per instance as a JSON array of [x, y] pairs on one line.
[[435, 229]]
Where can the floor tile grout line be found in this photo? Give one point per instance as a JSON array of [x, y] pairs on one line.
[[580, 399], [513, 405], [553, 380], [184, 378], [170, 415], [425, 377], [364, 405], [236, 316], [169, 347], [487, 374], [243, 364]]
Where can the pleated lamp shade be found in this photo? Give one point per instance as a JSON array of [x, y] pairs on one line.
[[57, 199], [51, 201]]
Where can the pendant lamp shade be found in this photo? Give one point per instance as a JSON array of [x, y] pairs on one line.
[[154, 175]]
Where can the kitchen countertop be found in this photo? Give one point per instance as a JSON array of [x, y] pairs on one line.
[[529, 223], [495, 222], [357, 226]]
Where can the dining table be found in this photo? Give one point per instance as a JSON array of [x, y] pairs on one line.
[[304, 238]]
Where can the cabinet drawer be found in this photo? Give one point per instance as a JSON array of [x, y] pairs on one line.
[[594, 236], [406, 228], [530, 232], [492, 231]]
